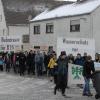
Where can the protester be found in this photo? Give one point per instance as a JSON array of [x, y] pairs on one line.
[[14, 63], [88, 69], [26, 62], [16, 67], [1, 63], [97, 57], [51, 65], [11, 58], [71, 58], [79, 60], [7, 62], [58, 69], [22, 60], [31, 62], [39, 63], [62, 73], [85, 56], [45, 62]]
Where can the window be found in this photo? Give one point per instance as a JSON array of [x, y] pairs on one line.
[[25, 38], [37, 29], [49, 28], [50, 48], [36, 47], [75, 26]]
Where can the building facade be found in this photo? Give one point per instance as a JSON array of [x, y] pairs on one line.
[[21, 30], [3, 28], [17, 15], [47, 27]]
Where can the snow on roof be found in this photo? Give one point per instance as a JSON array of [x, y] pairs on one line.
[[69, 10], [41, 14]]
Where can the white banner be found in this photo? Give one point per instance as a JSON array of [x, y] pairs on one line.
[[10, 40], [5, 48], [76, 45], [75, 73], [97, 65]]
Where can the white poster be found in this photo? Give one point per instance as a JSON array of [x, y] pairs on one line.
[[10, 40], [97, 65], [10, 43], [75, 74], [76, 45], [5, 48]]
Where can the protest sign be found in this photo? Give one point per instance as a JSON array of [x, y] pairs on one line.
[[76, 45], [75, 74]]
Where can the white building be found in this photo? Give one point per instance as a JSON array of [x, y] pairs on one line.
[[80, 19], [21, 30], [3, 27], [18, 25], [14, 25]]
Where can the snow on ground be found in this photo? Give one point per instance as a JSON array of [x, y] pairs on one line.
[[14, 87]]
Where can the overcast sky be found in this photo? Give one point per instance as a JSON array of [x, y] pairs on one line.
[[68, 0]]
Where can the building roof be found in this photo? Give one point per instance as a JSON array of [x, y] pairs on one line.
[[13, 18], [77, 8], [18, 11]]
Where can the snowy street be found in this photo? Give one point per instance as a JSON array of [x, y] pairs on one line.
[[13, 87]]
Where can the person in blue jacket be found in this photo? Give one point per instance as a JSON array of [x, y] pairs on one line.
[[1, 63], [79, 60]]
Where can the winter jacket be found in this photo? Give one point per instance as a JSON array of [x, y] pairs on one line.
[[1, 61], [22, 59], [62, 66], [37, 58], [52, 63], [30, 59], [88, 69], [79, 61]]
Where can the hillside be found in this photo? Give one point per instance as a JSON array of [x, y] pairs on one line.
[[18, 11]]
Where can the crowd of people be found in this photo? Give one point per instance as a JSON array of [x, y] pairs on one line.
[[24, 62], [59, 70], [37, 63]]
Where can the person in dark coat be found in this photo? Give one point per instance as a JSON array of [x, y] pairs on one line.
[[7, 61], [39, 63], [71, 59], [62, 73], [22, 61], [88, 69], [16, 66], [84, 57], [45, 61], [31, 62]]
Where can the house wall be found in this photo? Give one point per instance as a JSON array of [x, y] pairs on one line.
[[61, 29], [20, 30], [3, 28], [95, 16]]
